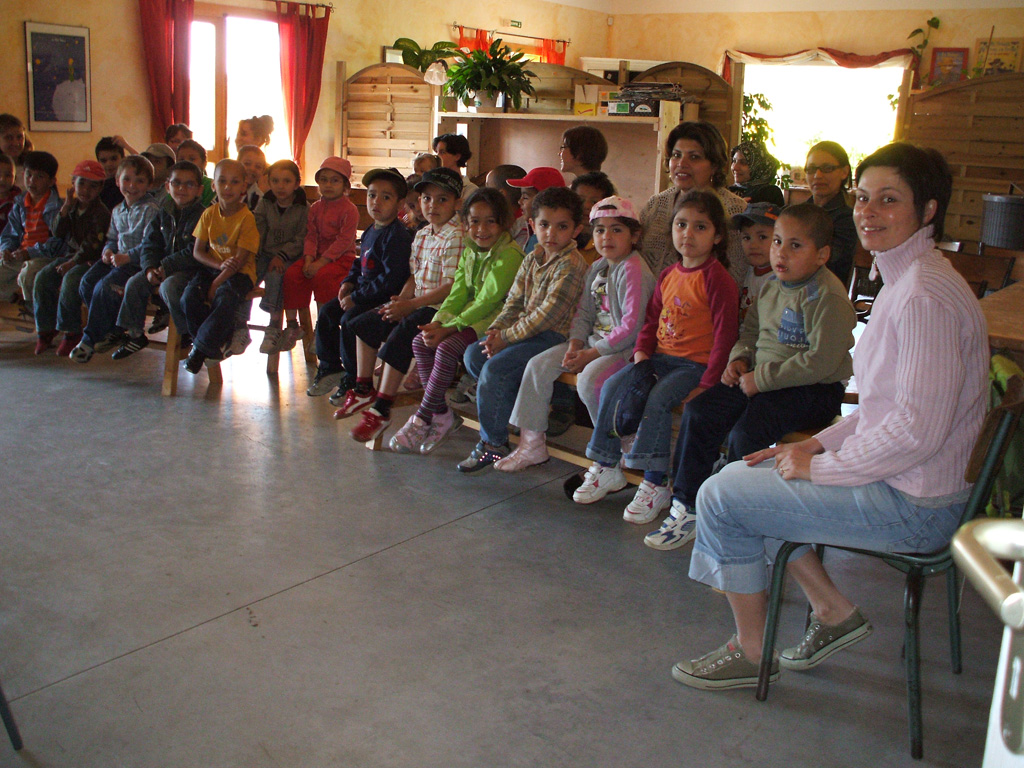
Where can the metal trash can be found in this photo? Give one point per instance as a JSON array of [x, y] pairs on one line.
[[1002, 222]]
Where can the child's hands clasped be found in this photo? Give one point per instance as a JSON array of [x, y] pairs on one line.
[[748, 385], [119, 259], [277, 265], [434, 333], [493, 343], [312, 266], [396, 309], [575, 360], [733, 371], [155, 275]]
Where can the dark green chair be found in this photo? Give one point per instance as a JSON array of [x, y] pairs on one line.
[[9, 724], [985, 463]]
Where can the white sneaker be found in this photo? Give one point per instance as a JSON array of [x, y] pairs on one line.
[[240, 339], [598, 483], [271, 338], [678, 529], [650, 499]]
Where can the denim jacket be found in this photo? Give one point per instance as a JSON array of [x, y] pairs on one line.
[[50, 248]]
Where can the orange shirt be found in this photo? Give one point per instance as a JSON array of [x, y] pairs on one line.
[[36, 231]]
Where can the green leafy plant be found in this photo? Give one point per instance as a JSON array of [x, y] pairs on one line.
[[499, 69], [414, 55], [918, 50], [755, 127]]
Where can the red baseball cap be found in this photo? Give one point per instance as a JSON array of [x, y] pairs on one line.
[[540, 179], [90, 170]]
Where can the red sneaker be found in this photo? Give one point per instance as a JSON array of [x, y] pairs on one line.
[[371, 425], [43, 341], [354, 403], [69, 342]]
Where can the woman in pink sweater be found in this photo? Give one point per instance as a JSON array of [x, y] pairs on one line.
[[890, 476]]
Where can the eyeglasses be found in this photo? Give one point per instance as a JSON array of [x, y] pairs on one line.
[[810, 170], [186, 184]]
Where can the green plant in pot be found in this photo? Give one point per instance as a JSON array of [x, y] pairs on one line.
[[499, 69], [413, 55]]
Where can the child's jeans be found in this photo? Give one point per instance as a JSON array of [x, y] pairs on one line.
[[171, 290], [437, 367], [102, 288], [48, 293], [751, 423], [69, 304], [273, 285], [537, 390], [335, 339], [132, 315], [211, 324], [498, 379], [677, 376]]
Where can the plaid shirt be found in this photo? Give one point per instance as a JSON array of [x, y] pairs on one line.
[[435, 257], [544, 297]]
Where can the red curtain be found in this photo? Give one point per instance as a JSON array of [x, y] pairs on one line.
[[166, 33], [549, 51], [842, 58], [303, 39], [479, 40]]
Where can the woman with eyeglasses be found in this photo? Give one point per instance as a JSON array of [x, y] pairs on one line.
[[828, 177], [697, 158]]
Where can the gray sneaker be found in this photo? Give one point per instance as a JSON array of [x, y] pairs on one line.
[[722, 669], [324, 382], [822, 640], [271, 341], [240, 339]]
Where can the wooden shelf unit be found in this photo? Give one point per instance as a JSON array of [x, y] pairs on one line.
[[636, 145]]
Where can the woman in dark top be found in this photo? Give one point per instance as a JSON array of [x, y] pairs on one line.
[[828, 176], [753, 170]]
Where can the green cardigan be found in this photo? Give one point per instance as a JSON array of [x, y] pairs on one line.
[[482, 281]]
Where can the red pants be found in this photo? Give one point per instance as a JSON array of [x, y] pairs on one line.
[[324, 285]]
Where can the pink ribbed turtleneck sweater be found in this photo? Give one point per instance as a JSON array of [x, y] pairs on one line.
[[922, 374]]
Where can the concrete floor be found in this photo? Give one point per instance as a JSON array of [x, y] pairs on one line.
[[227, 579]]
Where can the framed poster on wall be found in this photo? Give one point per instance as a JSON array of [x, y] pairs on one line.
[[59, 80], [949, 65], [1001, 57]]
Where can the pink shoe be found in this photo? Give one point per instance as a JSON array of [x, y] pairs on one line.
[[442, 425], [409, 438], [532, 450], [412, 380]]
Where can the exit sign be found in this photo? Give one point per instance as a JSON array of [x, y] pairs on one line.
[[516, 24]]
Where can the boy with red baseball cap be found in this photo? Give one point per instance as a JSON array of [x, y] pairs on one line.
[[82, 222]]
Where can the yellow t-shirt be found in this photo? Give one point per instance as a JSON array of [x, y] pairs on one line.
[[226, 234]]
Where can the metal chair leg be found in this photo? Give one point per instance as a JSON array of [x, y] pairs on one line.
[[9, 724], [912, 650], [953, 600], [771, 624]]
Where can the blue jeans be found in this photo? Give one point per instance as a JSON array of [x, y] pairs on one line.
[[745, 513], [102, 288], [46, 295], [171, 291], [498, 379], [335, 339], [749, 423], [69, 306], [651, 451], [211, 323], [132, 315]]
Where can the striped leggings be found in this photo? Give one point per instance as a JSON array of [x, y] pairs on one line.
[[437, 368]]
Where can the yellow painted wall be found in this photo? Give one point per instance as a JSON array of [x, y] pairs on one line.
[[120, 93], [702, 38], [359, 29]]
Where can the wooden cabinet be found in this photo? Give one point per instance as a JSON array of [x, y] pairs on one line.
[[636, 145]]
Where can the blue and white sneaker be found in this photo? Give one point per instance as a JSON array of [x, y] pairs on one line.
[[677, 530]]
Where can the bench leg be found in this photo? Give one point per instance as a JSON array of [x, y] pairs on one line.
[[171, 359], [274, 358], [377, 444], [308, 337], [215, 374]]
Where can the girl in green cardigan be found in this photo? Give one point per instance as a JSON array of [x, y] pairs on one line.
[[485, 274]]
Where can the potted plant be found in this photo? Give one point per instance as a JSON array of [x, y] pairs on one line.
[[498, 70], [421, 58]]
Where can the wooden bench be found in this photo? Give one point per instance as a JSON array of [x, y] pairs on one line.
[[173, 351]]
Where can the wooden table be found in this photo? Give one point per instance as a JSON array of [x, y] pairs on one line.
[[1004, 313]]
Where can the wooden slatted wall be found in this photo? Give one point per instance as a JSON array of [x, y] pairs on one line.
[[556, 87], [388, 118], [716, 96], [978, 126]]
